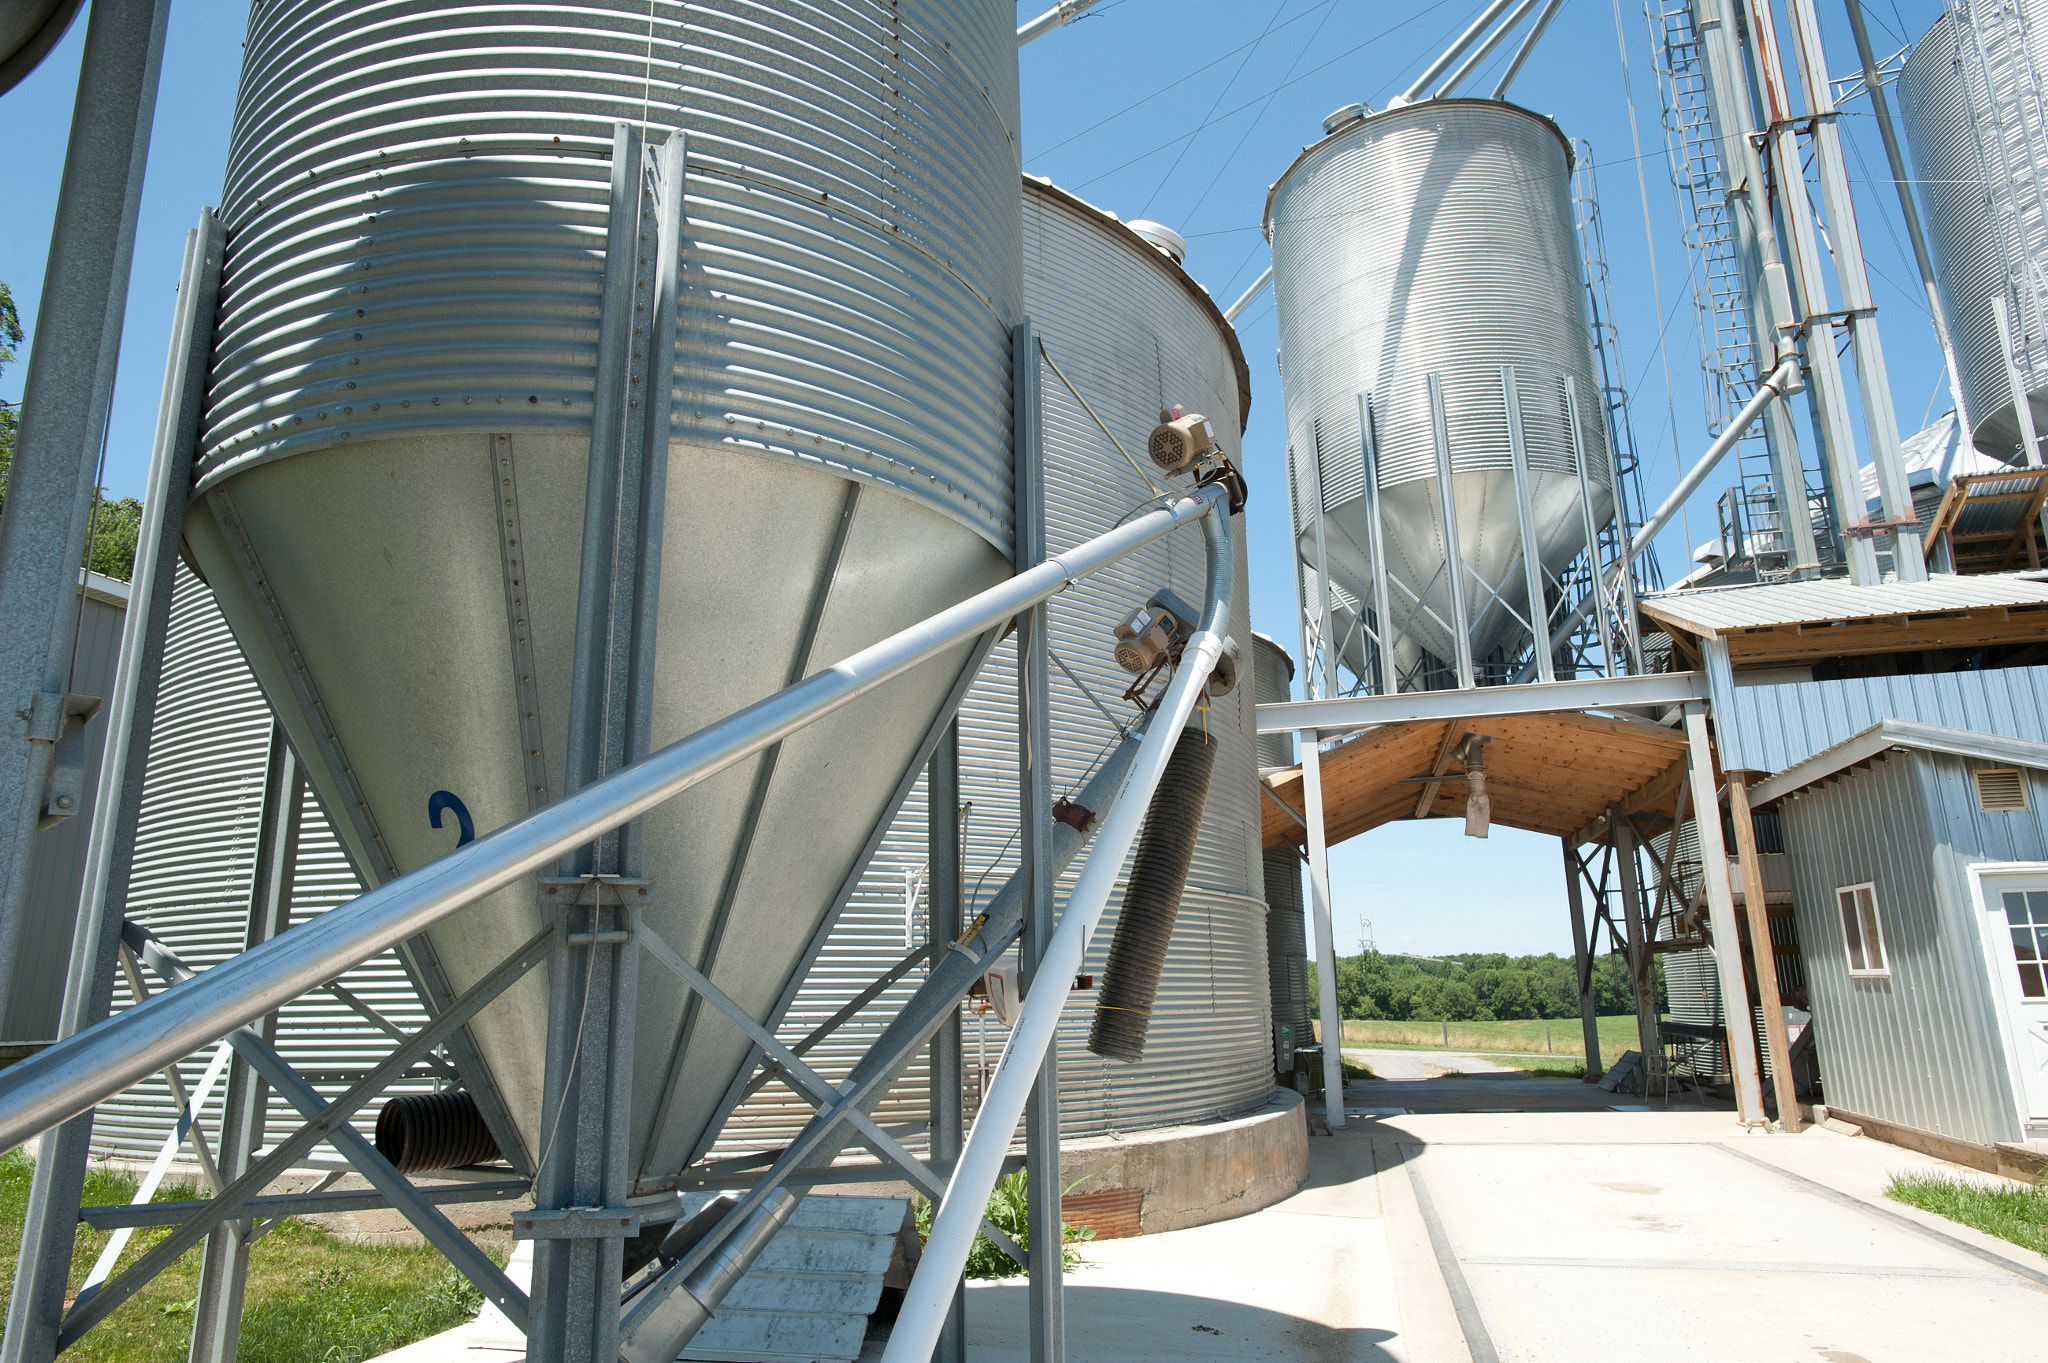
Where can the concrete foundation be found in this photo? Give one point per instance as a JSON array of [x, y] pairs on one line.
[[1181, 1176]]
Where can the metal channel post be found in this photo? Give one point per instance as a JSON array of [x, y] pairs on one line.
[[1034, 812], [1757, 909], [1310, 741], [1749, 1101], [1382, 603], [224, 1263], [1326, 627], [1525, 513], [1454, 558], [1582, 958], [1622, 834], [580, 1215], [53, 477], [944, 923], [36, 1309]]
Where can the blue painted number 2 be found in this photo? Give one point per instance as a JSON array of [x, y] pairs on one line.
[[447, 800]]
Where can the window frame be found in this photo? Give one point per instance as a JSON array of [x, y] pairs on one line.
[[1875, 928]]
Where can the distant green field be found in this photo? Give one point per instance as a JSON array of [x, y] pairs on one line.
[[1617, 1034]]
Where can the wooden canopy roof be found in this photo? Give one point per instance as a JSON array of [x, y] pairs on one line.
[[1547, 773]]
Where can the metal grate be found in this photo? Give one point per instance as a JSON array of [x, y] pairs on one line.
[[2001, 790]]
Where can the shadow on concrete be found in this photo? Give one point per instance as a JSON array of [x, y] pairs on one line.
[[1114, 1324]]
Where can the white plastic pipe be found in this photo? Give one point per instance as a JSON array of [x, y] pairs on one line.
[[931, 1291]]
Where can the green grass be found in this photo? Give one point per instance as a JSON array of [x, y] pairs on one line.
[[1617, 1034], [312, 1298], [1008, 1212], [1355, 1070], [1542, 1067], [2004, 1210]]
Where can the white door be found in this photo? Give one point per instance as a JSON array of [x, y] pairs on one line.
[[2016, 909]]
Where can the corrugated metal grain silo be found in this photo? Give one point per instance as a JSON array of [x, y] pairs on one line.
[[391, 482], [1427, 248], [1974, 121], [1286, 929], [1133, 333]]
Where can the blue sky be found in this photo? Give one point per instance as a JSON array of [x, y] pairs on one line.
[[1183, 111]]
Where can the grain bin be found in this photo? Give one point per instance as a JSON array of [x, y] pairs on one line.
[[393, 463], [1421, 250]]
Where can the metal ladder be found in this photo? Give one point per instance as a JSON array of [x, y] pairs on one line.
[[2012, 163]]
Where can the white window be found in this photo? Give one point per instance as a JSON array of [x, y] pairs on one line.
[[1860, 929]]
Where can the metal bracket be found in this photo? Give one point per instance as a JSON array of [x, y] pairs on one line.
[[578, 1223], [59, 718]]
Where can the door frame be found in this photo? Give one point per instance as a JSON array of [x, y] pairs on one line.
[[2002, 966]]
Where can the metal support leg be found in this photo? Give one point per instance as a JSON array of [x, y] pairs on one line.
[[70, 382], [1454, 558], [36, 1309], [1761, 951], [1382, 603], [944, 925], [1326, 937], [224, 1264], [1582, 960], [1749, 1103], [1627, 863], [1034, 772], [1525, 513]]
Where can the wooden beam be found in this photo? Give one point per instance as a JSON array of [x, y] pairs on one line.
[[1753, 896], [1986, 626], [1652, 792], [1452, 734]]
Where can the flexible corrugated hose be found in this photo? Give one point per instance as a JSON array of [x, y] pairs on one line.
[[421, 1132], [1159, 874]]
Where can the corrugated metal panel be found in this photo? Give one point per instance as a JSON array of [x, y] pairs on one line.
[[1713, 610], [57, 873], [1951, 125], [1437, 239], [1125, 325], [194, 862], [1920, 1047], [1768, 728]]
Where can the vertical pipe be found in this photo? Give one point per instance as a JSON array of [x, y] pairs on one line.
[[1582, 961], [1763, 953], [36, 1308], [1622, 835], [1382, 604], [224, 1261], [70, 382], [1047, 1299], [1326, 937], [1454, 557], [1525, 514], [1749, 1102], [944, 924]]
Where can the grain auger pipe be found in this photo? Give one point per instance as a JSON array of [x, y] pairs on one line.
[[77, 1073], [981, 1161]]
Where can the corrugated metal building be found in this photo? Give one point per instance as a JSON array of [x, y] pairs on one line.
[[1919, 859]]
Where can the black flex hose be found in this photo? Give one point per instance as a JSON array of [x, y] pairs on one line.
[[422, 1132], [1159, 874]]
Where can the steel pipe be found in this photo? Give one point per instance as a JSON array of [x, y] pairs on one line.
[[1451, 54], [1528, 46], [74, 1075], [1249, 296], [930, 1295], [1484, 50], [1064, 12]]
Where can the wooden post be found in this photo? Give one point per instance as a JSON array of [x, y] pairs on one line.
[[1582, 961], [1749, 1098], [1763, 953]]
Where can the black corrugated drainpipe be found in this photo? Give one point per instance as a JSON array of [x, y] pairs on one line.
[[1159, 874], [422, 1132]]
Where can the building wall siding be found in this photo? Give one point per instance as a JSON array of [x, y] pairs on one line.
[[1768, 728]]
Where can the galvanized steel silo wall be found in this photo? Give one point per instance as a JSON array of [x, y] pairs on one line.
[[392, 476], [1133, 333], [1954, 131], [1286, 929], [1436, 239]]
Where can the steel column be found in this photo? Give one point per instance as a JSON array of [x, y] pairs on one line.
[[1034, 775], [1582, 959], [1749, 1103], [1525, 514], [53, 479], [1319, 912], [1622, 835], [944, 924], [1382, 603], [35, 1310], [1454, 558], [1762, 952], [224, 1263]]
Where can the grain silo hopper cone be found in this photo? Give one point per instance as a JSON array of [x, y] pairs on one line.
[[1159, 874]]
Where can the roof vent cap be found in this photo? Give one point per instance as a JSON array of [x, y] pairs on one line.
[[1343, 118], [1163, 237], [2001, 790]]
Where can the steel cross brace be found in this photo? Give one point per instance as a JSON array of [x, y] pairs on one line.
[[232, 1199], [832, 1024], [808, 1084]]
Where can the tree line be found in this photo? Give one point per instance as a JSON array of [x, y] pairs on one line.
[[1480, 987]]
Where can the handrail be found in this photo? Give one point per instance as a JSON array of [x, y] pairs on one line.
[[76, 1073]]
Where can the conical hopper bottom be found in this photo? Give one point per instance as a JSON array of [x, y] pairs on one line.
[[422, 582]]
